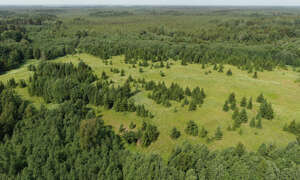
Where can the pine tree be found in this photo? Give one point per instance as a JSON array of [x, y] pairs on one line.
[[259, 122], [221, 68], [188, 91], [233, 105], [252, 123], [250, 105], [231, 98], [226, 107], [218, 134], [235, 114], [193, 106], [260, 98], [266, 110], [243, 116], [122, 72], [215, 67], [132, 125], [255, 76], [203, 132], [243, 102], [240, 149], [192, 128], [229, 72], [175, 134]]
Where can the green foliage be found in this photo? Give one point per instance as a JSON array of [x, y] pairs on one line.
[[175, 134], [266, 110], [191, 128], [218, 134], [243, 102], [150, 134]]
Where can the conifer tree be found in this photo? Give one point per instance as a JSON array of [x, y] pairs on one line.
[[259, 122], [243, 116], [192, 128], [226, 107], [233, 105], [203, 132], [218, 134], [255, 76], [175, 134], [188, 91], [266, 110], [235, 114], [193, 106], [243, 102], [240, 149], [229, 72], [260, 98], [250, 105], [132, 125], [252, 123], [231, 98], [221, 68]]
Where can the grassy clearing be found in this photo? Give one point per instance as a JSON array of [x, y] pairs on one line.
[[278, 86]]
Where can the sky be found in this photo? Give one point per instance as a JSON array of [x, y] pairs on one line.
[[154, 2]]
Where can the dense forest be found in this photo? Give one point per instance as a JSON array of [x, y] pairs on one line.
[[70, 140]]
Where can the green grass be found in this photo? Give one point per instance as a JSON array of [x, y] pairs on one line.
[[279, 87]]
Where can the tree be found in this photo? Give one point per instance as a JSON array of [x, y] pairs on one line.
[[259, 122], [233, 105], [188, 91], [193, 106], [266, 110], [231, 98], [192, 128], [226, 107], [203, 132], [250, 105], [255, 76], [260, 98], [122, 72], [229, 72], [218, 134], [243, 116], [149, 135], [132, 125], [235, 114], [252, 123], [243, 102], [175, 134], [240, 149]]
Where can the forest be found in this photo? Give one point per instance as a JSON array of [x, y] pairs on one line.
[[149, 93]]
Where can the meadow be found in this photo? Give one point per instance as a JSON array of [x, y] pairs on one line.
[[280, 87]]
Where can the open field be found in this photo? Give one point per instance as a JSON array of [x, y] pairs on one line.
[[278, 86]]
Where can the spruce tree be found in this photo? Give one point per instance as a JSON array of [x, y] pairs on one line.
[[226, 107], [259, 122], [193, 106], [235, 114], [255, 76], [243, 102], [175, 134], [203, 132], [243, 116], [229, 72], [260, 98], [188, 91], [231, 98], [192, 128], [252, 123], [250, 105], [233, 105], [218, 134], [266, 110]]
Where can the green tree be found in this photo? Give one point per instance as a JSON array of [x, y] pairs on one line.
[[243, 102], [252, 123], [191, 128], [175, 134], [218, 134], [243, 116], [226, 107], [203, 132], [260, 98], [250, 105], [229, 72]]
